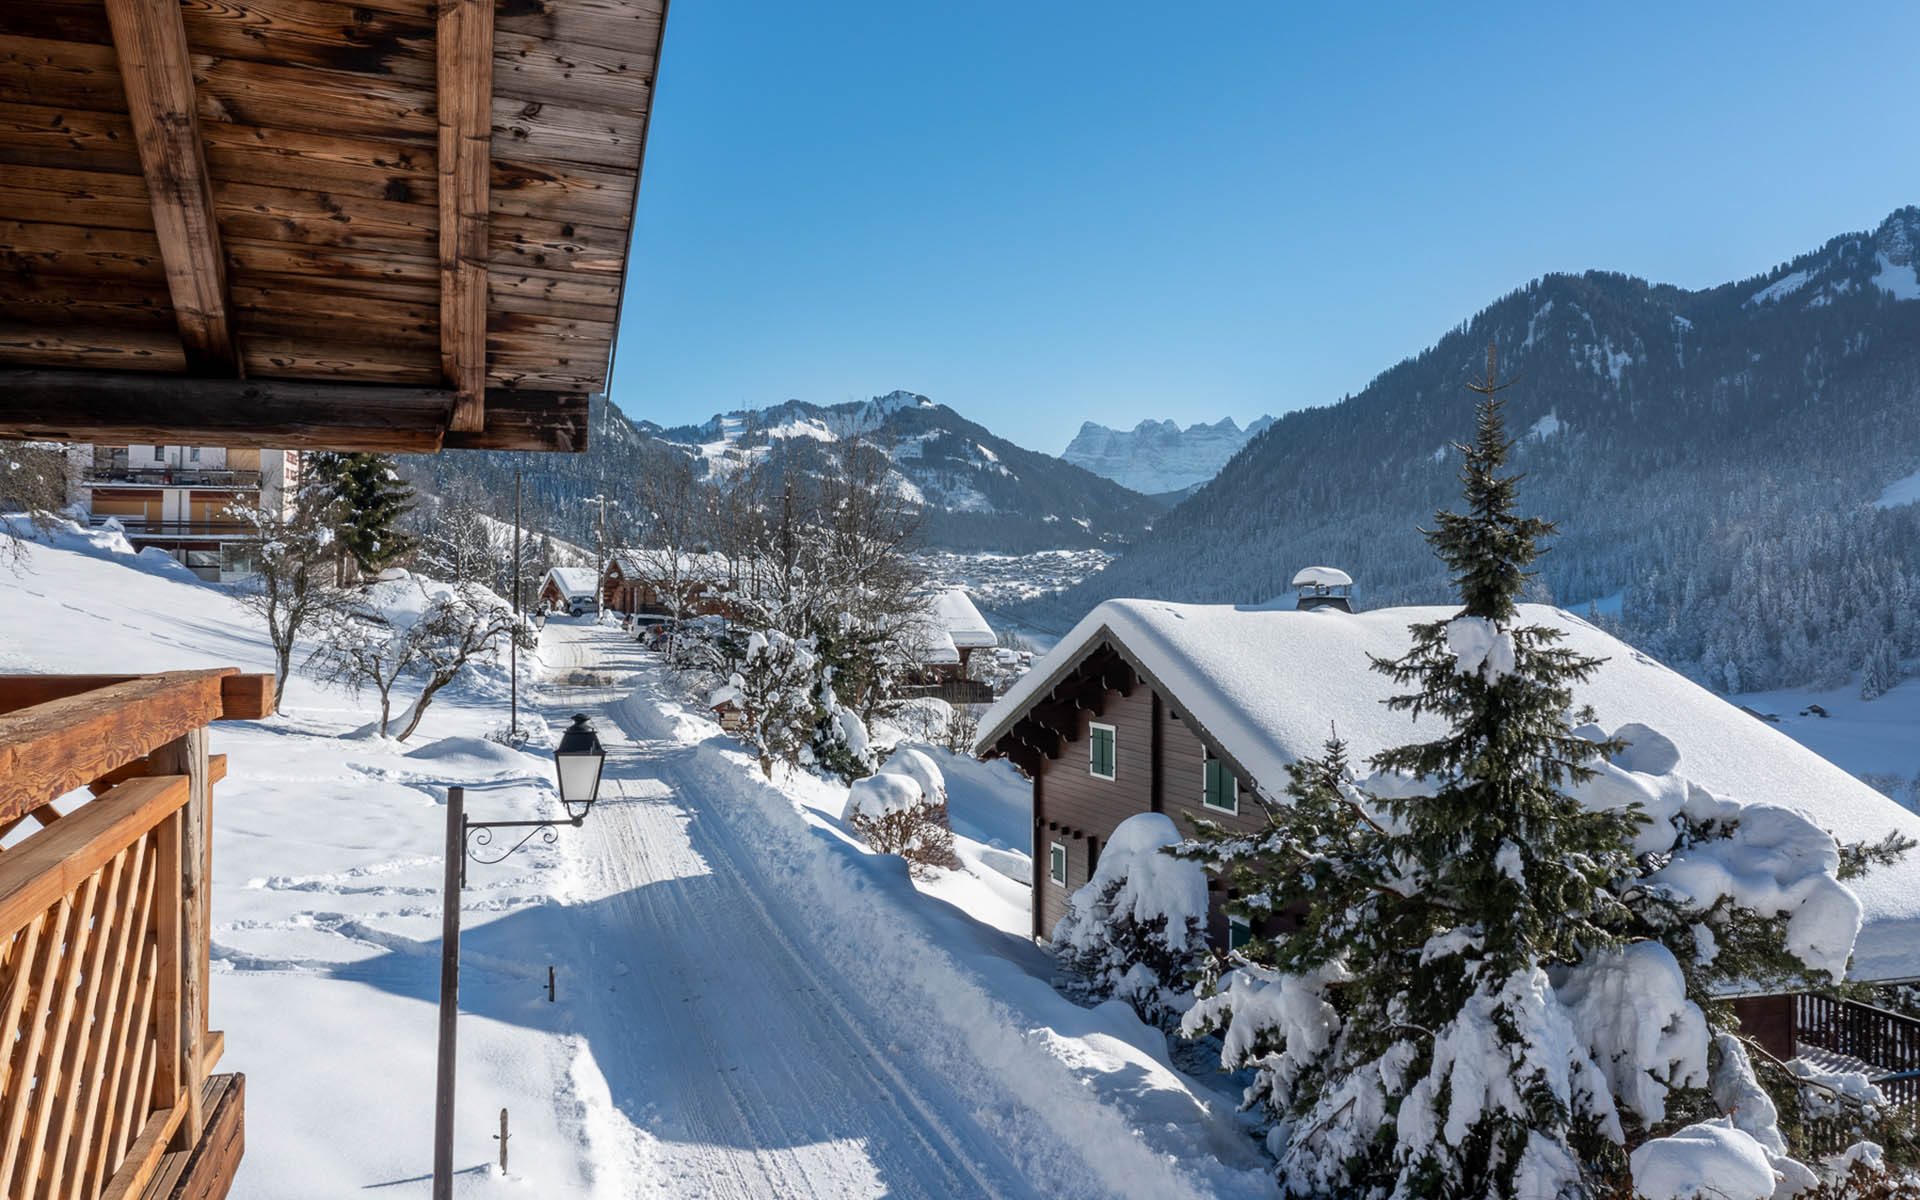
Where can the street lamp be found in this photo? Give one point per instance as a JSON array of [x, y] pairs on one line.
[[577, 762]]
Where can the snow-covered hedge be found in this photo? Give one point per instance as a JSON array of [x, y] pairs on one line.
[[1137, 929], [903, 810]]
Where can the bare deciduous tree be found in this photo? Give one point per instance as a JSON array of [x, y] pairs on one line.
[[293, 590], [450, 634]]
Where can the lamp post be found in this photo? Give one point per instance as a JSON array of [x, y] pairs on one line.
[[578, 761]]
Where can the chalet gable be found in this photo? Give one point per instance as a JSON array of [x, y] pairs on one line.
[[1044, 724]]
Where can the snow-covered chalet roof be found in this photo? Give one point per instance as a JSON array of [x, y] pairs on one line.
[[575, 583], [1321, 577], [645, 561], [1265, 683], [954, 612]]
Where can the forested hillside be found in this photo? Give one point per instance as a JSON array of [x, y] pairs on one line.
[[1739, 461]]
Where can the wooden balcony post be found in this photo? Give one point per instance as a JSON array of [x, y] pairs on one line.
[[187, 975]]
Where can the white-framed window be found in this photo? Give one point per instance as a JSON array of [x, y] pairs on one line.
[[159, 454], [1057, 864], [1219, 790], [1239, 932], [1102, 742], [193, 455]]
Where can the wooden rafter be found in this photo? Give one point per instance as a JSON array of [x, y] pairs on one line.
[[150, 41], [464, 91]]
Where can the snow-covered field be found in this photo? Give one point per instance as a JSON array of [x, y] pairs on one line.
[[1877, 740], [748, 1004]]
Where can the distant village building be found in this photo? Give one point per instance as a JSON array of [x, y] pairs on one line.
[[648, 582], [179, 498], [941, 650], [1196, 711], [569, 589]]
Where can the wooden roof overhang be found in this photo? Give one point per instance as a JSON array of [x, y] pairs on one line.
[[1102, 664], [376, 224]]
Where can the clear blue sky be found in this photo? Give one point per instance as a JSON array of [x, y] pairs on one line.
[[1041, 212]]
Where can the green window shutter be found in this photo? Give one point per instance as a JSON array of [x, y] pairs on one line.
[[1057, 863], [1100, 751], [1239, 932], [1219, 787]]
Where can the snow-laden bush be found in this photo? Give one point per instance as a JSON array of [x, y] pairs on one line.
[[903, 810], [1137, 930]]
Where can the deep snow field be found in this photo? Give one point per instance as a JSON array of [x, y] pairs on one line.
[[1878, 740], [749, 1003]]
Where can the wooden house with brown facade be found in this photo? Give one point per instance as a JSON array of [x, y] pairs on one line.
[[1198, 710], [382, 225]]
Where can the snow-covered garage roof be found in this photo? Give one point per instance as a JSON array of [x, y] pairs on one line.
[[954, 612], [575, 583], [1266, 683]]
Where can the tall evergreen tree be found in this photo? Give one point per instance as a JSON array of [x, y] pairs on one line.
[[1487, 932], [374, 500]]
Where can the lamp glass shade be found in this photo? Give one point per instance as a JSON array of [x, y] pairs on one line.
[[578, 759]]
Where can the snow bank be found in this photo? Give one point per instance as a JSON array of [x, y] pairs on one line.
[[1710, 1160]]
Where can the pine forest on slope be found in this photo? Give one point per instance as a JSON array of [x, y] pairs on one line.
[[1739, 461]]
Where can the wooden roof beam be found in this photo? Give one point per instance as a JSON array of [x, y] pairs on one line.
[[110, 406], [464, 84], [150, 41]]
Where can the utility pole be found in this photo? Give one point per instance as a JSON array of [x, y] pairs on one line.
[[600, 549], [449, 993]]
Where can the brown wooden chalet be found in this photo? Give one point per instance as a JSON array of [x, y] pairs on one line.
[[388, 225], [1101, 743]]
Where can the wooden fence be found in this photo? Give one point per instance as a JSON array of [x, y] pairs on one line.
[[105, 1054], [1888, 1042]]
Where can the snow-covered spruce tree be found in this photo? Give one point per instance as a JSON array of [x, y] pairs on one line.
[[374, 501], [1505, 979], [1136, 931], [774, 689]]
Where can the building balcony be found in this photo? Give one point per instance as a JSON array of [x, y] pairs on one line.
[[161, 475], [141, 529]]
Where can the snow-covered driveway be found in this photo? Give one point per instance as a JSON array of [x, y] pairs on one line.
[[736, 1066]]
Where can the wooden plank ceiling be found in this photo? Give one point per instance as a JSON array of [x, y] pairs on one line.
[[430, 196]]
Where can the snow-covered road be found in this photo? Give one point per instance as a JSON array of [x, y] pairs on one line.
[[742, 1068]]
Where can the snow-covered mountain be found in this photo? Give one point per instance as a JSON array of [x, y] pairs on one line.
[[979, 492], [1158, 457], [1730, 468]]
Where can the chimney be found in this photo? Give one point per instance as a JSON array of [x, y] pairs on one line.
[[1323, 587]]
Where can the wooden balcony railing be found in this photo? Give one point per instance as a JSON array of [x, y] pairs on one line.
[[1887, 1042], [104, 1045]]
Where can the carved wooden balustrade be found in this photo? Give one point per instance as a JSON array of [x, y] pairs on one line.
[[105, 1054]]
